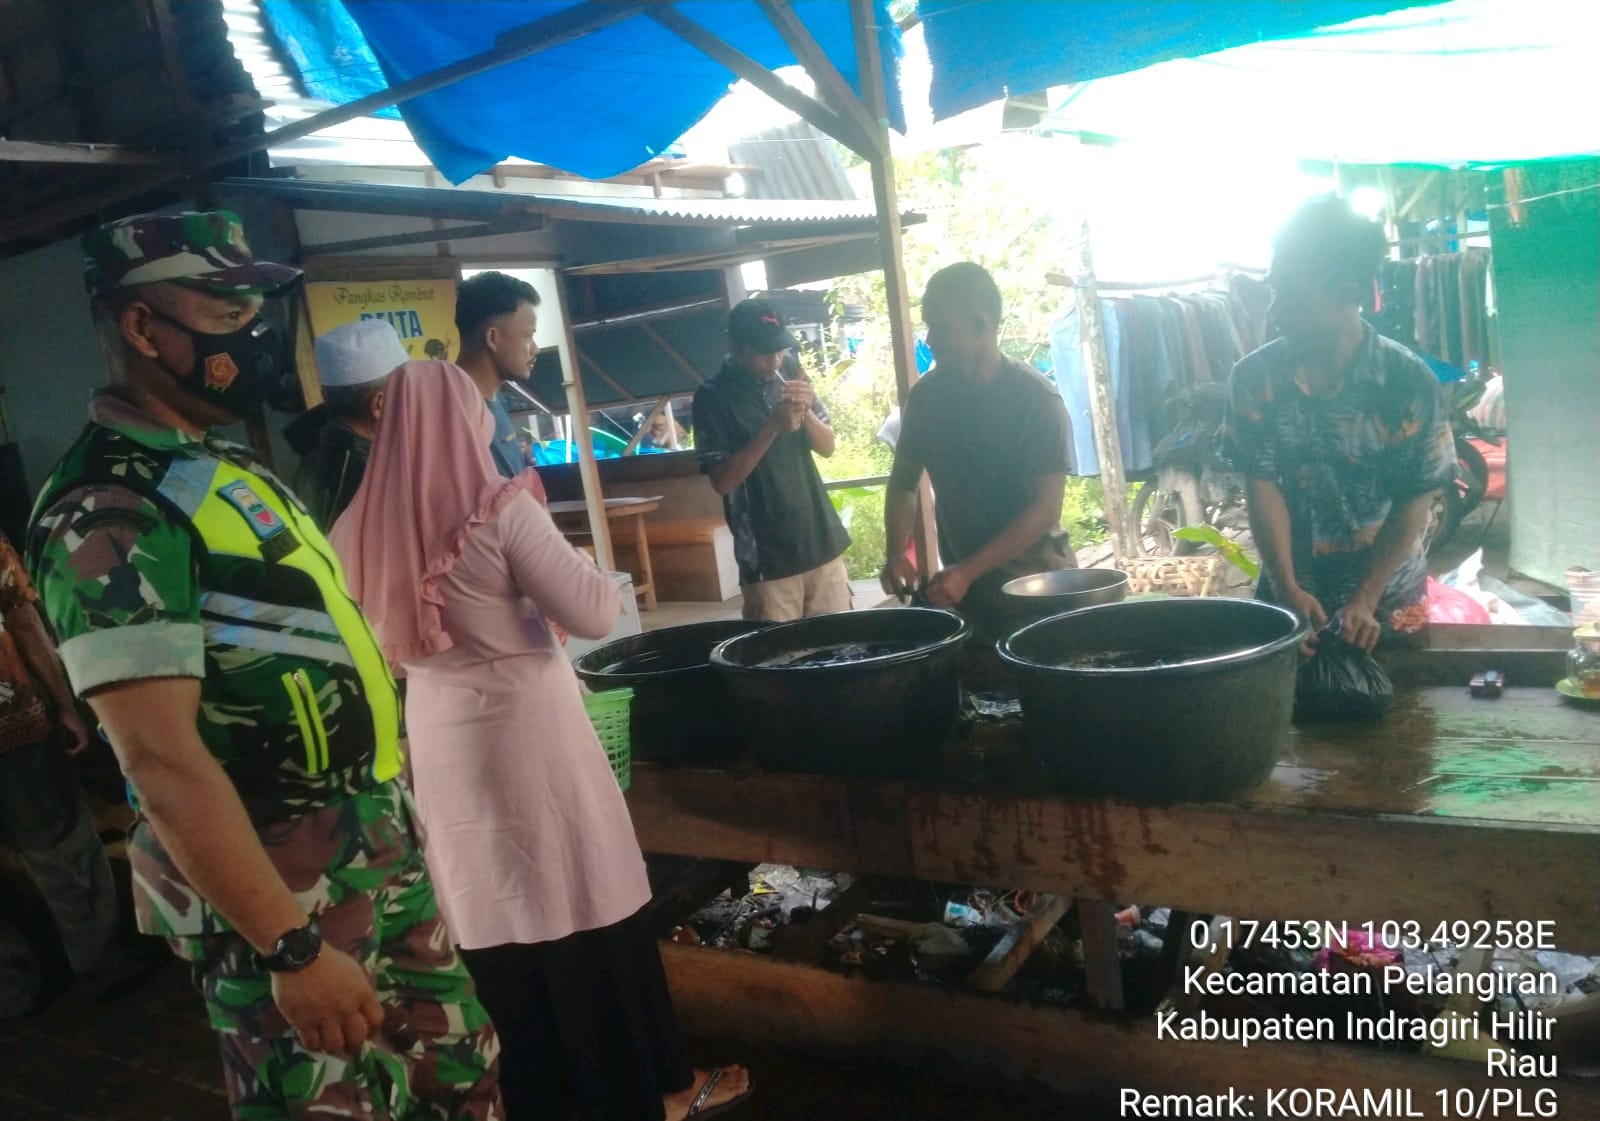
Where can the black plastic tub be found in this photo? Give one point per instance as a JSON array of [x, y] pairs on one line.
[[1206, 723], [680, 705], [886, 708]]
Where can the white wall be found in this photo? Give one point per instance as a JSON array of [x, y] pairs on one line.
[[50, 359]]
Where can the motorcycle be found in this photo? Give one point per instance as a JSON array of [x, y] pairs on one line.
[[1192, 485], [1452, 504]]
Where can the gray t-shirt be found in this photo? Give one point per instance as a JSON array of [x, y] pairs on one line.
[[984, 445]]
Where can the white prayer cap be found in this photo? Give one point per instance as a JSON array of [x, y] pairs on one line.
[[358, 353]]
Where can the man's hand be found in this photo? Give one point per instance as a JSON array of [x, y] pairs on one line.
[[949, 587], [799, 394], [1359, 625], [786, 417], [898, 576], [74, 731], [330, 1004], [1305, 605]]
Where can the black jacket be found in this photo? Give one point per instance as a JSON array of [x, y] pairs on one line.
[[331, 472]]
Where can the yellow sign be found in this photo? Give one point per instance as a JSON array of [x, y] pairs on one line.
[[422, 312]]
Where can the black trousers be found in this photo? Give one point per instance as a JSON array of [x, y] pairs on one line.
[[586, 1025]]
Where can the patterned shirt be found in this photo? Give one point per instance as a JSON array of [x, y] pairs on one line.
[[1343, 461]]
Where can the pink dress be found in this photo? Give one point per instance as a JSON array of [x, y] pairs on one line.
[[527, 836]]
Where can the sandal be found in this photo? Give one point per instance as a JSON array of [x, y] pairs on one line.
[[698, 1107]]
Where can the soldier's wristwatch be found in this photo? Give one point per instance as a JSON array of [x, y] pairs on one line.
[[295, 950]]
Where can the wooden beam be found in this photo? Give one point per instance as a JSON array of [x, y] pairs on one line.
[[743, 66], [831, 84], [700, 262], [512, 46], [62, 152], [305, 353], [1011, 953], [604, 375], [1416, 195], [1102, 964], [588, 470], [1102, 404], [391, 200], [721, 994], [342, 269], [886, 199], [660, 311], [661, 404], [1282, 863], [673, 353], [419, 237]]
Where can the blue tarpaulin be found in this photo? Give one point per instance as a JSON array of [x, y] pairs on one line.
[[328, 50], [598, 106], [983, 50]]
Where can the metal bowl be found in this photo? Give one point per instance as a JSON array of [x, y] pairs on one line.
[[1028, 599]]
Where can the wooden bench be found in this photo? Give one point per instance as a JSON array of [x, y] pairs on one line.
[[572, 519]]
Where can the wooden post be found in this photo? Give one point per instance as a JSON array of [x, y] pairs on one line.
[[578, 430], [1391, 227], [672, 429], [1102, 405], [1102, 965], [1011, 953], [869, 66]]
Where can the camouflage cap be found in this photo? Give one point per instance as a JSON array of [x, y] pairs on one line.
[[200, 250]]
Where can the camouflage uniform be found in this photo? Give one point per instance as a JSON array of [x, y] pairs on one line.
[[148, 568]]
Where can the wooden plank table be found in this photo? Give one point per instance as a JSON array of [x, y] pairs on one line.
[[1460, 809], [1451, 809], [570, 518]]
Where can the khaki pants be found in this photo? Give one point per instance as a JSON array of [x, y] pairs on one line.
[[821, 591]]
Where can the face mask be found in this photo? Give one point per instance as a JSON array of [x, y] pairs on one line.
[[234, 371]]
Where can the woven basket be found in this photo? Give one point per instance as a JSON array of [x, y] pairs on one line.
[[1178, 576], [609, 712]]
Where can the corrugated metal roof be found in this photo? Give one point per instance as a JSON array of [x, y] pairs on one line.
[[720, 212], [455, 202], [794, 161], [93, 76]]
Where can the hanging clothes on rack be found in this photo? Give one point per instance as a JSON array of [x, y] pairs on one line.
[[1437, 305], [1157, 344]]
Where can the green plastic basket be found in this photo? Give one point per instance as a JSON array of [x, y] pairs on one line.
[[609, 713]]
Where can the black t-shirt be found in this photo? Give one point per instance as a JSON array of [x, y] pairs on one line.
[[782, 521], [983, 446]]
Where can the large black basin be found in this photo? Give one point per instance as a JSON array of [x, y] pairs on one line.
[[680, 707], [1207, 724], [888, 714]]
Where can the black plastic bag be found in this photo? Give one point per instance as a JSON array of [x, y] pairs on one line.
[[1341, 682]]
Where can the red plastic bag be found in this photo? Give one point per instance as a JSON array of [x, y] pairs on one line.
[[1451, 605]]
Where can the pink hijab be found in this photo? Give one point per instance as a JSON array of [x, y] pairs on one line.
[[429, 481]]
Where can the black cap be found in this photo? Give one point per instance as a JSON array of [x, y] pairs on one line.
[[756, 324]]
